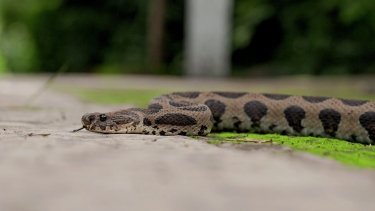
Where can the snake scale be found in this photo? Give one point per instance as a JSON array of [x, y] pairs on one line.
[[199, 113]]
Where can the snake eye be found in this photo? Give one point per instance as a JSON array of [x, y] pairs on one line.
[[103, 117]]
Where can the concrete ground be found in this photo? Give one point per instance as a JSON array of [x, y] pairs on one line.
[[46, 167]]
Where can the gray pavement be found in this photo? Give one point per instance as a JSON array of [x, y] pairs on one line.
[[89, 171]]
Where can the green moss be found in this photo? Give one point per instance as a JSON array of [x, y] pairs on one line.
[[352, 154]]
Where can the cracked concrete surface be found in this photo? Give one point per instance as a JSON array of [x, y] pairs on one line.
[[89, 171]]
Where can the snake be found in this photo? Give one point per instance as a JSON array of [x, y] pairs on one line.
[[199, 113]]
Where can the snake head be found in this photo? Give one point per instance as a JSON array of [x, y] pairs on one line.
[[112, 122]]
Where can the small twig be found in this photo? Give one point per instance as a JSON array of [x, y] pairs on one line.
[[48, 83], [41, 134]]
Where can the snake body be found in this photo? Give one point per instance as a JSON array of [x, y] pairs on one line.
[[199, 113]]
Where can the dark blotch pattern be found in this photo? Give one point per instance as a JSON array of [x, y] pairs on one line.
[[155, 106], [173, 130], [161, 97], [367, 121], [145, 111], [330, 120], [294, 115], [182, 133], [147, 122], [202, 130], [175, 119], [217, 109], [271, 127], [256, 111], [123, 119], [102, 126], [188, 94], [353, 102], [312, 99], [162, 132], [179, 103], [276, 96], [236, 123], [232, 95], [195, 108]]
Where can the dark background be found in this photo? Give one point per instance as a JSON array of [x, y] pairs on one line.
[[270, 37]]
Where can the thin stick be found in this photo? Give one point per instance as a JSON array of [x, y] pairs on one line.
[[48, 83]]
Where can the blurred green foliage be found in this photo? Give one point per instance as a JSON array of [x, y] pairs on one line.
[[270, 37], [17, 44], [90, 33], [306, 36]]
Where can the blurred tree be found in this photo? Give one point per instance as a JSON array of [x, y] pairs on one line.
[[155, 33], [270, 37], [104, 36]]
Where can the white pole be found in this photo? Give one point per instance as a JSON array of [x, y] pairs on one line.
[[208, 37]]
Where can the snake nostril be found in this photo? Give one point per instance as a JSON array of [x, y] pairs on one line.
[[91, 118], [87, 119]]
